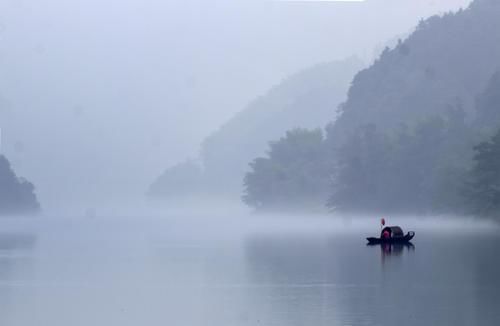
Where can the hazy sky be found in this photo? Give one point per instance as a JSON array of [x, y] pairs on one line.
[[97, 97]]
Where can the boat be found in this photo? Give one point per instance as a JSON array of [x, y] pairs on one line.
[[396, 235]]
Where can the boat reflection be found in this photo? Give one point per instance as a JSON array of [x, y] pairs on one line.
[[393, 249]]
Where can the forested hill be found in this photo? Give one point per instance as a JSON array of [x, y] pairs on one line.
[[16, 194], [418, 132], [306, 99], [447, 61]]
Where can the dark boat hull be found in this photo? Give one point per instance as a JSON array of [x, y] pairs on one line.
[[404, 239]]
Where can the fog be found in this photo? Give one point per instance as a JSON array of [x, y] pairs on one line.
[[236, 270], [237, 162], [97, 98]]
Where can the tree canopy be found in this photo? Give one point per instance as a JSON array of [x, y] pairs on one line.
[[17, 195], [405, 137], [294, 174]]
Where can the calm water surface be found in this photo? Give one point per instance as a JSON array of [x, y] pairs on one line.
[[221, 271]]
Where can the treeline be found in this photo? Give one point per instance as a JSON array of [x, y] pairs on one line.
[[306, 99], [293, 176], [416, 170], [17, 195], [416, 134], [438, 166]]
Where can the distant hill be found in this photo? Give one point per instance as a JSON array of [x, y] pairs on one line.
[[406, 139], [180, 180], [307, 99], [488, 106], [17, 195], [448, 60]]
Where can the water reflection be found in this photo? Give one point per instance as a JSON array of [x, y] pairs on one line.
[[16, 265], [295, 278], [73, 273], [17, 241], [388, 250], [339, 280]]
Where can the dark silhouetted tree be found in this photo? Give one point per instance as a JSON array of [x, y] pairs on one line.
[[17, 196], [483, 187], [295, 173]]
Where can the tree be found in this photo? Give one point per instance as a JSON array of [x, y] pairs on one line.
[[405, 171], [483, 187], [361, 162], [17, 195], [488, 106], [294, 174]]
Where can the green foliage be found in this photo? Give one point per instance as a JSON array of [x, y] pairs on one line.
[[403, 171], [305, 99], [483, 187], [488, 106], [411, 170], [404, 140], [422, 96], [361, 163], [295, 173], [448, 60]]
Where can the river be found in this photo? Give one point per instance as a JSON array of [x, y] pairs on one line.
[[227, 270]]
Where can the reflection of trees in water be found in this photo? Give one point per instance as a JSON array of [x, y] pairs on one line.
[[288, 259], [305, 279], [388, 250], [14, 241], [395, 249], [15, 263], [482, 256], [448, 281]]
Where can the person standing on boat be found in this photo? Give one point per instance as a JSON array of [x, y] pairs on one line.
[[385, 234]]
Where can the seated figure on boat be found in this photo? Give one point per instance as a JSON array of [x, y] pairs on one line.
[[391, 232]]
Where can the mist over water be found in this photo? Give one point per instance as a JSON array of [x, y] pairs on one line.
[[97, 98], [145, 146], [242, 270]]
